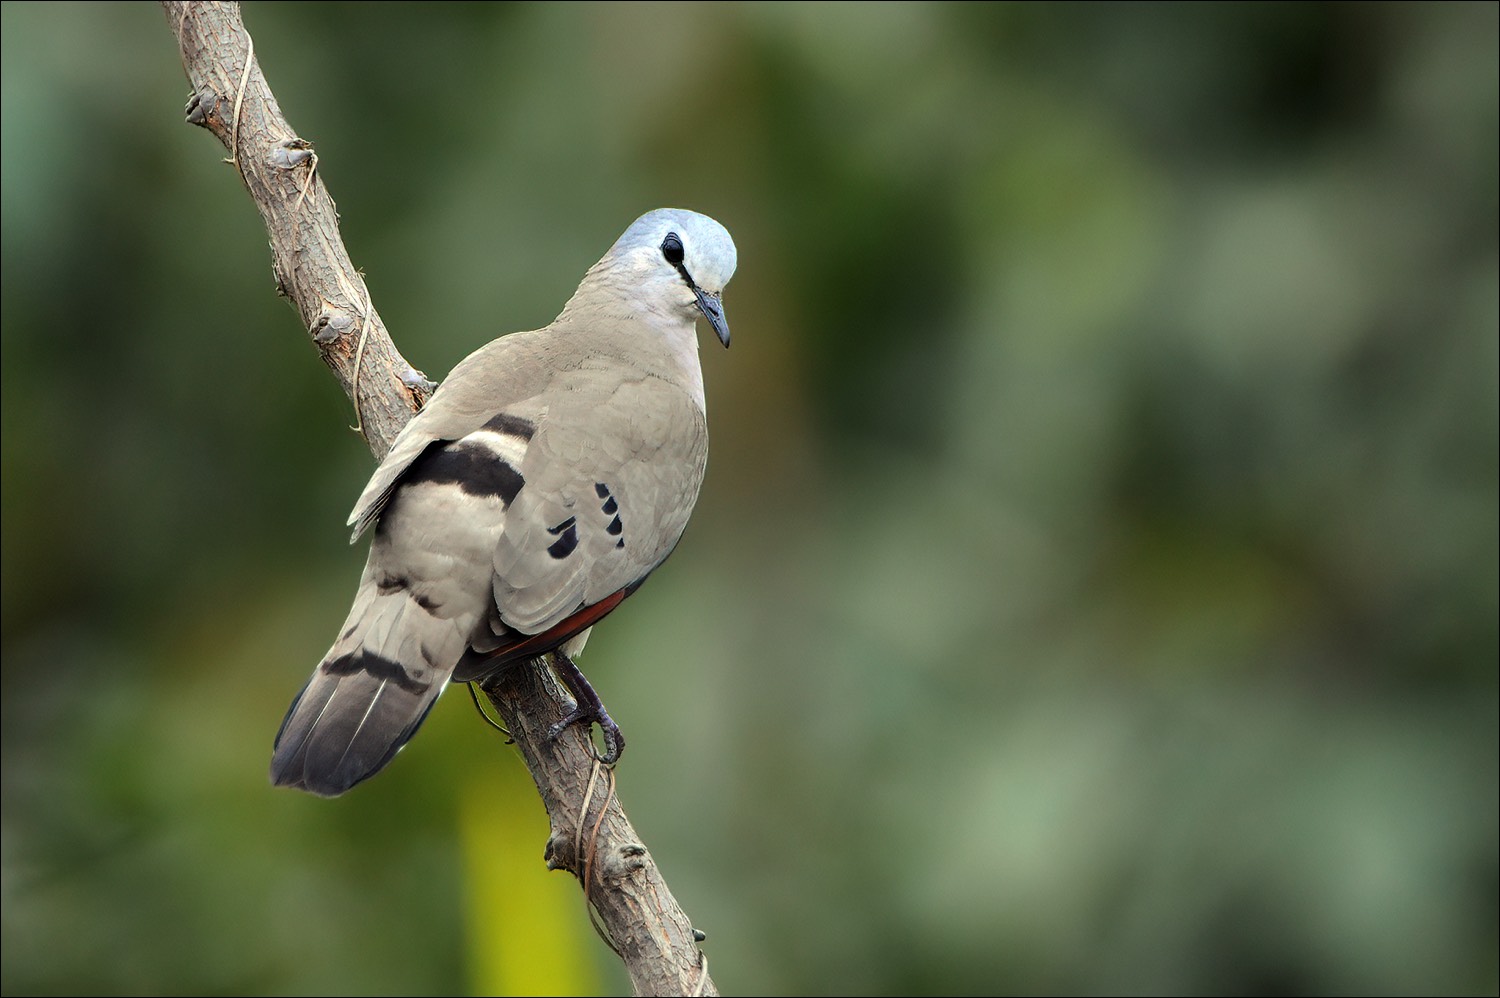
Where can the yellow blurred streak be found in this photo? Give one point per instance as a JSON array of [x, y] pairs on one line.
[[527, 926]]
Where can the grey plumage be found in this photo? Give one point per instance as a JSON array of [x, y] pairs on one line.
[[547, 477]]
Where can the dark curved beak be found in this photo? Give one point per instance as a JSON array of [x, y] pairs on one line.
[[713, 310]]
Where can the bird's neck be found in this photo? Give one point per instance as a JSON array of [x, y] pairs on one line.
[[636, 328]]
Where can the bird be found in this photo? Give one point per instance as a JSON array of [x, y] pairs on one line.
[[550, 473]]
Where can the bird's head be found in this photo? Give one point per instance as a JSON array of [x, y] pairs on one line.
[[680, 257]]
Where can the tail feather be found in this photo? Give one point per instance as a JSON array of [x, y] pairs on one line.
[[368, 696]]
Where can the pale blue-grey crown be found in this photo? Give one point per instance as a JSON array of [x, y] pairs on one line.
[[709, 256]]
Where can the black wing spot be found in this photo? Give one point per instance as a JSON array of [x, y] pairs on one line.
[[564, 544], [611, 507]]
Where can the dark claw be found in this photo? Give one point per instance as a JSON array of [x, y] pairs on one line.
[[614, 742], [589, 710]]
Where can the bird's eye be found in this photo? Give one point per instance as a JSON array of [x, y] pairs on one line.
[[671, 248]]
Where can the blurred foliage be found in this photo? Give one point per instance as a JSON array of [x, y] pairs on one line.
[[1094, 588]]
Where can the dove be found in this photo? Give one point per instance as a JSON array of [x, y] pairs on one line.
[[547, 477]]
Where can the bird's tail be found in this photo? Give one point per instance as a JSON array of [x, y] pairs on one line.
[[369, 694]]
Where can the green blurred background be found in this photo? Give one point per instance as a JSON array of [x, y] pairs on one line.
[[1095, 584]]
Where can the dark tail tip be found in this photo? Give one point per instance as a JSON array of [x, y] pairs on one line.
[[344, 728]]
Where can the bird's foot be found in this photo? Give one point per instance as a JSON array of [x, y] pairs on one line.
[[588, 710]]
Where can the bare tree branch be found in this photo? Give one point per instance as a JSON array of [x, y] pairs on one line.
[[233, 101], [590, 835]]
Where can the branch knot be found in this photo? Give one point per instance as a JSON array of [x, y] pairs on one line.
[[330, 325], [202, 106]]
